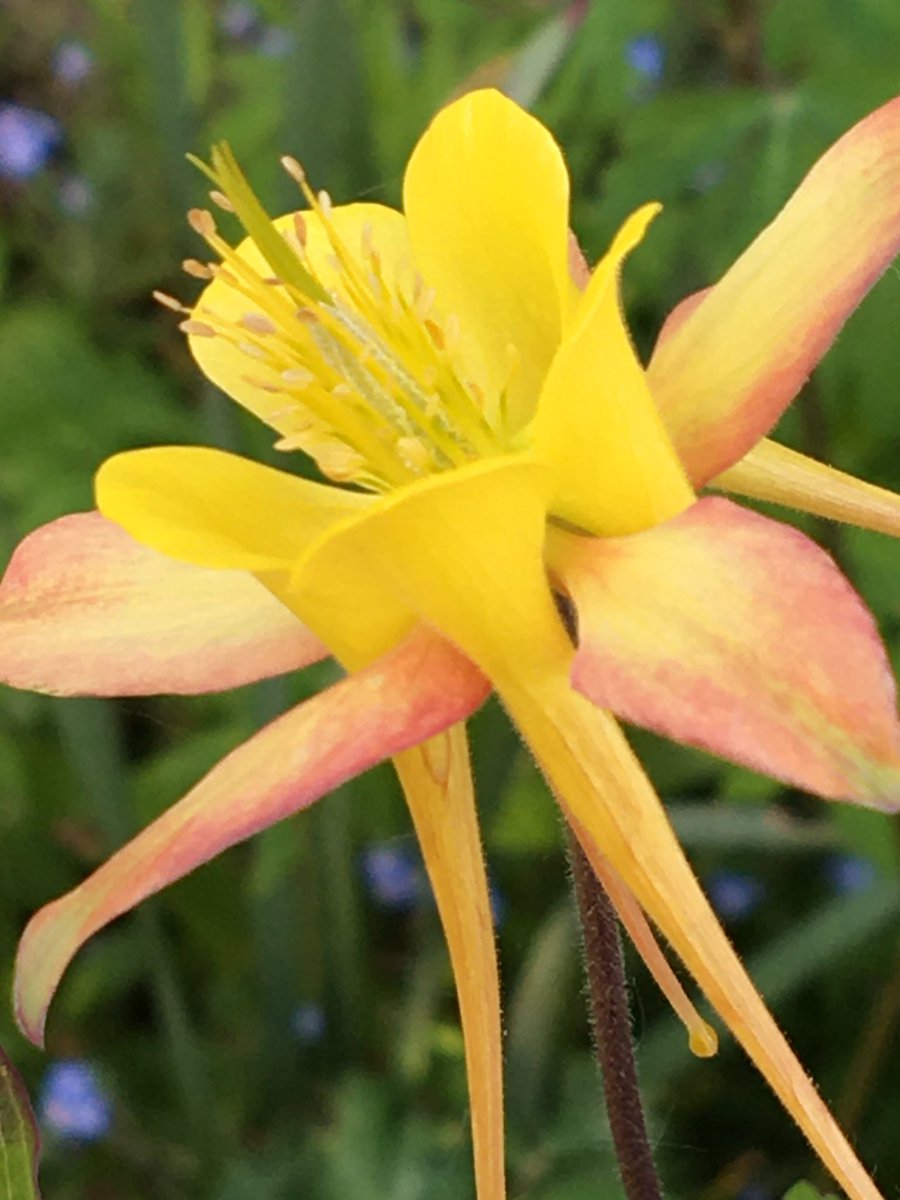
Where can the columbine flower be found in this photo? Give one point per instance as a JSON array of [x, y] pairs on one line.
[[513, 462]]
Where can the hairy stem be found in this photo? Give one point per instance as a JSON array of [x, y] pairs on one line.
[[611, 1021]]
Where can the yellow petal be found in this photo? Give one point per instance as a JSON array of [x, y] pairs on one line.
[[597, 425], [724, 374], [233, 369], [783, 476], [419, 689], [438, 785], [214, 509], [486, 195], [463, 551], [86, 610]]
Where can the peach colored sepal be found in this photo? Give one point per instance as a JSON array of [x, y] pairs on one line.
[[86, 610], [783, 476], [723, 375], [437, 782], [415, 691], [729, 631]]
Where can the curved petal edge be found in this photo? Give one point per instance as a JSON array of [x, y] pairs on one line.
[[726, 369], [728, 631], [415, 691], [86, 610]]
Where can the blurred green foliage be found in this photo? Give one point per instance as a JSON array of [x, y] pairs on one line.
[[192, 1010]]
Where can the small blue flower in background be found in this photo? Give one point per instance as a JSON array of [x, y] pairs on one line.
[[393, 875], [72, 63], [308, 1022], [849, 873], [27, 139], [72, 1102], [647, 57], [734, 895]]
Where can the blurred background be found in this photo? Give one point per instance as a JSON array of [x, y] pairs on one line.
[[282, 1024]]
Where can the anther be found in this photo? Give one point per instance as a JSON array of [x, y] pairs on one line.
[[199, 270], [300, 229], [293, 169], [325, 202], [298, 376], [221, 200], [201, 221], [257, 323], [414, 453], [436, 333], [168, 301], [252, 350], [197, 329]]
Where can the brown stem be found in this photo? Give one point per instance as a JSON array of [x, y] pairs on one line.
[[611, 1021]]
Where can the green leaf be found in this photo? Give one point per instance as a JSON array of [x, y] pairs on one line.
[[806, 1191], [19, 1141]]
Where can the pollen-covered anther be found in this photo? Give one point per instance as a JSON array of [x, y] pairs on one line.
[[197, 269], [258, 323], [338, 461], [197, 329], [325, 202], [221, 201], [294, 169], [300, 231], [423, 299], [414, 453], [298, 376], [202, 222], [252, 349], [435, 333], [168, 301], [264, 385]]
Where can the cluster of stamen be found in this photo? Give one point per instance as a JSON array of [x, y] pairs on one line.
[[365, 376]]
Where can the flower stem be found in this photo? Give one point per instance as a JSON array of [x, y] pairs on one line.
[[611, 1020]]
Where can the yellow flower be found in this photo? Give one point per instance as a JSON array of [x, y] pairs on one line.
[[519, 477]]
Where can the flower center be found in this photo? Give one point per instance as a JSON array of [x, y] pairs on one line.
[[373, 379]]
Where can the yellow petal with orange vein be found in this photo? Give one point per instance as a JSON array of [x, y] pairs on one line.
[[437, 782], [782, 476]]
